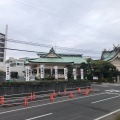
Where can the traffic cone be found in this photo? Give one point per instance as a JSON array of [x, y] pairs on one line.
[[64, 93], [34, 97], [51, 98], [25, 101], [86, 91], [71, 94], [79, 91], [2, 100], [54, 94], [91, 89], [59, 93], [31, 96]]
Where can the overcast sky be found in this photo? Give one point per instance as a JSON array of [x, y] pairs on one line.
[[80, 24]]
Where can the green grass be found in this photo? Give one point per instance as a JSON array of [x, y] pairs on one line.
[[117, 117]]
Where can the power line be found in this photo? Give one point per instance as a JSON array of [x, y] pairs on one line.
[[21, 50], [49, 46], [63, 18]]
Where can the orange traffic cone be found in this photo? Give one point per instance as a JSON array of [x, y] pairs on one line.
[[59, 93], [71, 94], [91, 89], [34, 97], [51, 98], [54, 94], [64, 93], [31, 96], [79, 91], [86, 91], [25, 101], [2, 100]]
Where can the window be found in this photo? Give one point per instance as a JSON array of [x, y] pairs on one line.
[[20, 64]]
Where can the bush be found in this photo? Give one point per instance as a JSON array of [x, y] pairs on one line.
[[45, 82], [110, 80], [2, 73], [14, 74]]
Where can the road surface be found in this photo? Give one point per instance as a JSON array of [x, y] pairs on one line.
[[95, 106]]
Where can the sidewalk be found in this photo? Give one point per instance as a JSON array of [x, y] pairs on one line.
[[113, 84]]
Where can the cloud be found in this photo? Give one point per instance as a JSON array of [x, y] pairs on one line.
[[88, 25]]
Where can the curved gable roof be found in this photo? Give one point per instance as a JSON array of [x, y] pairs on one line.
[[109, 55]]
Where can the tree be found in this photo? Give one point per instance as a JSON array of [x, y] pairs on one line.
[[104, 69], [99, 68]]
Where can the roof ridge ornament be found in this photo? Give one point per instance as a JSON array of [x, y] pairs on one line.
[[52, 50]]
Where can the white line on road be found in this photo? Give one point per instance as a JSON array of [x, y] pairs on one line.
[[107, 115], [105, 99], [39, 116], [49, 103], [113, 93]]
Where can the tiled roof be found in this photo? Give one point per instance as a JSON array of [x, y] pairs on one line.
[[52, 57], [76, 60], [109, 55]]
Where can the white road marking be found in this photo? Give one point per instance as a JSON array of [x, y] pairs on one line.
[[49, 103], [107, 115], [112, 90], [105, 99], [39, 116], [113, 93]]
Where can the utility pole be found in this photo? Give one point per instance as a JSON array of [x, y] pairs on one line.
[[5, 45]]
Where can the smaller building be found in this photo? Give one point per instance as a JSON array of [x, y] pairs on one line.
[[50, 60], [113, 56], [17, 65], [2, 50]]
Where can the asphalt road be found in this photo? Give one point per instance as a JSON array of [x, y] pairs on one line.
[[81, 107]]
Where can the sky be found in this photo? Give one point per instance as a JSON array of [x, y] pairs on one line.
[[85, 26]]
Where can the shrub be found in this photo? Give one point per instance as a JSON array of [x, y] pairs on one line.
[[14, 74]]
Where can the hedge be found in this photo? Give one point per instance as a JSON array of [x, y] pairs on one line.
[[42, 82]]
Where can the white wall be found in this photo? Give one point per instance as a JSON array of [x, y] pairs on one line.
[[13, 69], [116, 62]]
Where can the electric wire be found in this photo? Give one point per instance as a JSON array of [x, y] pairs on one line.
[[64, 18], [49, 46]]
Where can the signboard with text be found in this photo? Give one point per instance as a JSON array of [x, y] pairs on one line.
[[82, 74], [56, 72], [42, 71], [74, 74], [7, 71], [65, 73], [27, 73]]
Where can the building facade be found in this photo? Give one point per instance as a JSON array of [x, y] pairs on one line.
[[2, 50], [113, 56], [51, 60], [17, 65]]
